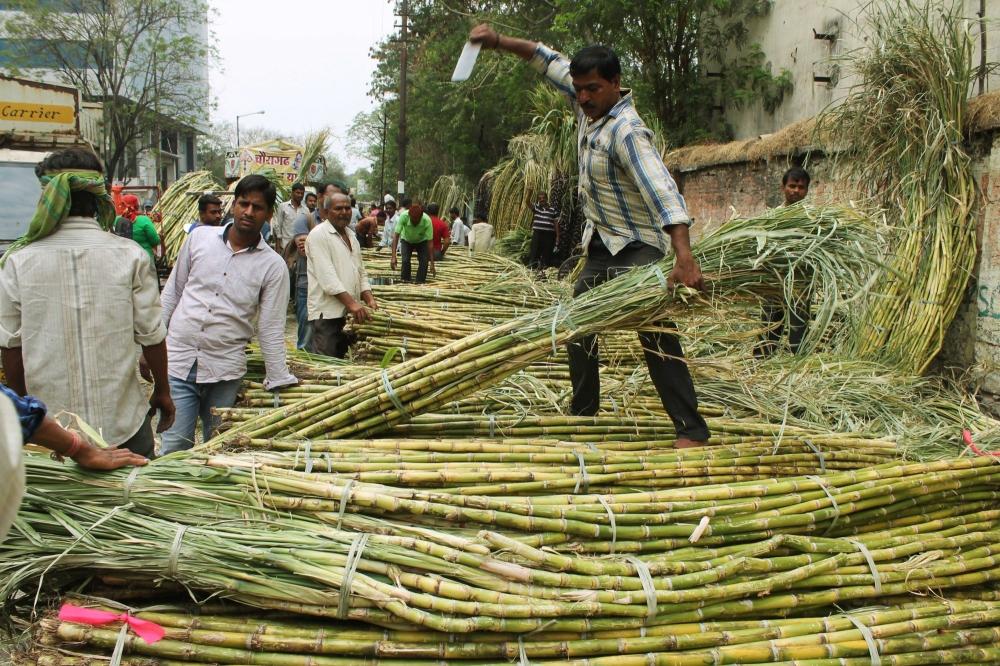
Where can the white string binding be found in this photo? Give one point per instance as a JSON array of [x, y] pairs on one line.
[[611, 519], [659, 276], [345, 497], [871, 564], [833, 502], [175, 551], [819, 454], [127, 486], [392, 394], [307, 453], [866, 633], [522, 656], [493, 425], [647, 584], [350, 567], [555, 322], [583, 478]]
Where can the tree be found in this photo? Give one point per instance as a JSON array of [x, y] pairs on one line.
[[666, 48], [142, 59]]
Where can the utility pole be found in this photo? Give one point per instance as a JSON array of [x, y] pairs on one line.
[[404, 15], [385, 129]]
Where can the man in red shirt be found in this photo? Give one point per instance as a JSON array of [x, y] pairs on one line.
[[442, 232]]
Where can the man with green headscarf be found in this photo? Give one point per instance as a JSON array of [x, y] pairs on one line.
[[76, 302]]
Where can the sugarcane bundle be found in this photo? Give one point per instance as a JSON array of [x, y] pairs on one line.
[[903, 128], [179, 207], [522, 468], [400, 556], [744, 259], [927, 632], [449, 191]]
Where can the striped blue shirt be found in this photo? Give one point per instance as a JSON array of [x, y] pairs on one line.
[[626, 191]]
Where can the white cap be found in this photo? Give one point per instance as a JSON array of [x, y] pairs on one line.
[[11, 464], [388, 198]]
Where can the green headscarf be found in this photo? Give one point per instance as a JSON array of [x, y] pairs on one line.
[[53, 205]]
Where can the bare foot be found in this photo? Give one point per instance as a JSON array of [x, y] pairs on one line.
[[685, 443]]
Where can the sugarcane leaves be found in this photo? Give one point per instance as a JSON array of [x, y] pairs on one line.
[[390, 355]]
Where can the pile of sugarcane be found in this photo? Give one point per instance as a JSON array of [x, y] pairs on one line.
[[567, 574], [922, 632], [178, 208]]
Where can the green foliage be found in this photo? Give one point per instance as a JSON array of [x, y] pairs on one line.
[[666, 49]]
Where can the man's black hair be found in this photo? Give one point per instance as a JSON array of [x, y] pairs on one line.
[[206, 200], [433, 208], [601, 58], [298, 186], [82, 204], [406, 202], [257, 183], [796, 173], [381, 213], [310, 194], [454, 211]]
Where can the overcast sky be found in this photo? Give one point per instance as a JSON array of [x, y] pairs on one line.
[[304, 62]]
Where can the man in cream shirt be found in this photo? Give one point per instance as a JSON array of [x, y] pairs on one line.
[[337, 278]]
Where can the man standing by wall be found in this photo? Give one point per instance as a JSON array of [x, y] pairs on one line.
[[634, 215], [74, 303], [794, 188], [287, 211], [226, 279], [414, 233], [337, 278]]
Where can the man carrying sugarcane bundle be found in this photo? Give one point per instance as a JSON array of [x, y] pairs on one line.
[[634, 215]]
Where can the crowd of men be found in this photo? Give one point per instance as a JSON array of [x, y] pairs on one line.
[[79, 306]]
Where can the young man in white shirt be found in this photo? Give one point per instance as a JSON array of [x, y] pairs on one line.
[[459, 232], [226, 278]]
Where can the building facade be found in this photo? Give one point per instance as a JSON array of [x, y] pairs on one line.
[[810, 38], [167, 147]]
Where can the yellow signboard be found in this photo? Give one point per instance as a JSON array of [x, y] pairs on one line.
[[38, 113]]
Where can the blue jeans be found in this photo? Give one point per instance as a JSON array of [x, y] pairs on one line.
[[193, 400], [302, 317]]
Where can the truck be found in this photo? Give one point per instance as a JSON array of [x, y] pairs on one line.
[[36, 119]]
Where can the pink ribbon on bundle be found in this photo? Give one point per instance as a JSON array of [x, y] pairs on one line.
[[144, 629], [967, 436]]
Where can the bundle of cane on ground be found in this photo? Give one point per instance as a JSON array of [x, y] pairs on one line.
[[924, 632], [402, 557], [745, 259]]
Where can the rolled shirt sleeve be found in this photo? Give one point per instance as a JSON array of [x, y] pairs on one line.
[[30, 412], [555, 67], [271, 328], [639, 157]]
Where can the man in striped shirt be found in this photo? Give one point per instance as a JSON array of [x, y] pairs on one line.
[[634, 214], [544, 232]]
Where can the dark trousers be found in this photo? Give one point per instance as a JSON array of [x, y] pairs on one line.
[[422, 259], [774, 317], [142, 441], [662, 351], [543, 243], [328, 337]]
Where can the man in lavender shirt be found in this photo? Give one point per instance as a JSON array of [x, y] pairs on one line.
[[225, 279]]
